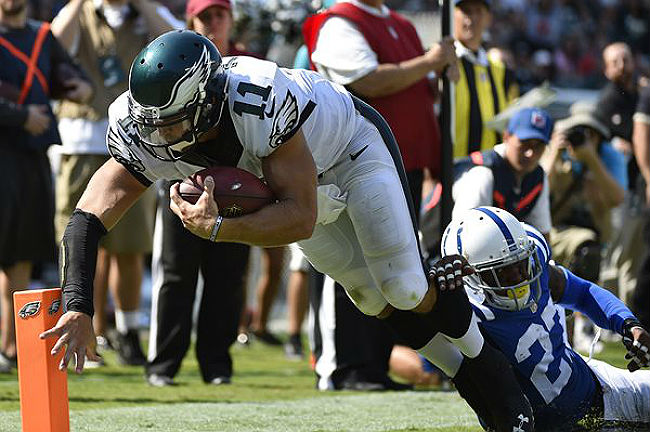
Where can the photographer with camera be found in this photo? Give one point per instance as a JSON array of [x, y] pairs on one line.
[[588, 178]]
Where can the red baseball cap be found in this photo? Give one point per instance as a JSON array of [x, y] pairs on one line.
[[195, 7]]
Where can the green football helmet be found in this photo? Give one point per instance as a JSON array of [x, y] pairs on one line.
[[176, 92]]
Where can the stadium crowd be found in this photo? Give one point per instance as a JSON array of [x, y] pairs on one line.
[[583, 180]]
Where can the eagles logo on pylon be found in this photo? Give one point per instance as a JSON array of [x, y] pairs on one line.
[[54, 307], [30, 309]]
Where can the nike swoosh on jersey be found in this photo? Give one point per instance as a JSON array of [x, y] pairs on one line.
[[353, 156]]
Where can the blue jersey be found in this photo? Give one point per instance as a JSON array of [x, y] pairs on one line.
[[556, 380]]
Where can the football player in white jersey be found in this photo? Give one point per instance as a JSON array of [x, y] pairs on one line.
[[514, 293], [326, 156]]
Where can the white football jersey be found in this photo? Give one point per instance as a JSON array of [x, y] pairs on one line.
[[265, 106]]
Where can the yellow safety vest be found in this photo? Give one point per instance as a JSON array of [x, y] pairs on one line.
[[481, 93]]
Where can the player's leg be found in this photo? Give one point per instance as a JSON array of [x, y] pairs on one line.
[[351, 350], [626, 395]]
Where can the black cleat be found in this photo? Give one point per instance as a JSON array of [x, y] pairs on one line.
[[293, 348], [129, 351], [267, 338]]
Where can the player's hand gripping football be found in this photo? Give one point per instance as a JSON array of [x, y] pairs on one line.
[[637, 343], [198, 218], [74, 331]]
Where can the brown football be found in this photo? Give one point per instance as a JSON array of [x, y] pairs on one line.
[[236, 191]]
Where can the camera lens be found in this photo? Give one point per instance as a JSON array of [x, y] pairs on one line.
[[576, 136]]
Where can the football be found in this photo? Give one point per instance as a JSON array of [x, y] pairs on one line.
[[236, 191]]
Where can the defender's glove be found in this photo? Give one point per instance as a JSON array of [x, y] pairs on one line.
[[637, 342]]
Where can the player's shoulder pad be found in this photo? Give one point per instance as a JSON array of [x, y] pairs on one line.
[[122, 139], [539, 241]]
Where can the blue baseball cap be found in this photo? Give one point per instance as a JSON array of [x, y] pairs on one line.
[[531, 123], [488, 3]]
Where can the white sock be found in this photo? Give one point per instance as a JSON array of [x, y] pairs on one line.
[[443, 354], [471, 343], [126, 320]]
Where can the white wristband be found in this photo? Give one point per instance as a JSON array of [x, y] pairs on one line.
[[215, 228]]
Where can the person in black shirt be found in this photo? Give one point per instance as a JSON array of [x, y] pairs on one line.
[[641, 141], [619, 96], [617, 104], [35, 69]]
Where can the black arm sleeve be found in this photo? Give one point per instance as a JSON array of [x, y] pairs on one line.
[[78, 260], [12, 114]]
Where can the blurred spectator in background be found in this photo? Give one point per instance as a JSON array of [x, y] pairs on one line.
[[618, 99], [35, 69], [544, 24], [104, 37], [617, 103], [543, 67], [179, 256], [641, 140], [634, 24], [575, 63], [297, 301], [45, 10], [588, 178], [485, 87], [509, 175], [268, 285]]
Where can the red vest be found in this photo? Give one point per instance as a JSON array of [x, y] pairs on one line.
[[409, 112]]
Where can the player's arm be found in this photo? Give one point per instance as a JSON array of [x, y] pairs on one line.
[[604, 309], [110, 193], [291, 174]]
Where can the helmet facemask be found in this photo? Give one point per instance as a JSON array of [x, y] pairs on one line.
[[509, 283], [170, 130]]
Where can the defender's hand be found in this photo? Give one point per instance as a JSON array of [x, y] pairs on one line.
[[75, 330], [448, 272], [198, 218], [638, 348]]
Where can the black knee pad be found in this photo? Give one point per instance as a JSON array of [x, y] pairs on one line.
[[585, 261]]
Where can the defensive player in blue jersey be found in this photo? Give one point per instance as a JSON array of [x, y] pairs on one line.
[[515, 291]]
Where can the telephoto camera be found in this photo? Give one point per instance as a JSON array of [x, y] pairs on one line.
[[576, 136]]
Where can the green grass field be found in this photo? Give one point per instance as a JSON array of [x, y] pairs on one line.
[[268, 393]]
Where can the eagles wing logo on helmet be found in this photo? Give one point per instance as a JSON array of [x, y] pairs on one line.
[[285, 120], [54, 307], [30, 309]]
